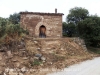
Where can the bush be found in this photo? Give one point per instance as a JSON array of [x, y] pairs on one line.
[[36, 62], [9, 31]]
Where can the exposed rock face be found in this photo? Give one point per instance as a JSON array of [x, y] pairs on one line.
[[51, 21]]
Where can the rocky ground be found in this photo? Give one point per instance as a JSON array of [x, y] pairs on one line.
[[33, 57]]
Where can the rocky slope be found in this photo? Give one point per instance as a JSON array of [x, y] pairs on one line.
[[30, 55]]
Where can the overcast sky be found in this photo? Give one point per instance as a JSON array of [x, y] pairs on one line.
[[8, 7]]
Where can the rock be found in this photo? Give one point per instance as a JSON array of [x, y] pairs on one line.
[[1, 50], [51, 52], [15, 53], [41, 64], [37, 58], [22, 39], [43, 61], [43, 58], [25, 58], [17, 64], [7, 70], [23, 69], [62, 49], [20, 47], [79, 43], [38, 48], [4, 48], [14, 60], [23, 44], [50, 63], [73, 53], [4, 74], [2, 64], [35, 42], [43, 50], [20, 74], [38, 55], [13, 73], [9, 54]]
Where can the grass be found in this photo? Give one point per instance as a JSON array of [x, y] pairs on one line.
[[36, 62]]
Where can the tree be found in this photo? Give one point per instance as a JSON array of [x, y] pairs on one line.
[[77, 14], [3, 23], [15, 18], [89, 29], [10, 30], [68, 29]]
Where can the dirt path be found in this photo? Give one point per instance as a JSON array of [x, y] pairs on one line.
[[89, 67]]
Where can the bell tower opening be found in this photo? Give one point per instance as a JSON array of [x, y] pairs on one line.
[[42, 31]]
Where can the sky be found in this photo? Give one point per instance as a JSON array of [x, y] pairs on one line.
[[8, 7]]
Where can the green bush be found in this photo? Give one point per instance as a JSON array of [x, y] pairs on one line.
[[36, 62], [10, 31]]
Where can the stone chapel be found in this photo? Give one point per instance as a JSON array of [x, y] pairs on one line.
[[42, 25]]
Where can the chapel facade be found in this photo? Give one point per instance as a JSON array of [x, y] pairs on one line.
[[42, 25]]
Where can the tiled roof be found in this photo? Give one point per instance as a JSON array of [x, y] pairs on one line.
[[41, 13]]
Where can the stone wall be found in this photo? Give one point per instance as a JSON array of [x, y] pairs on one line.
[[33, 21]]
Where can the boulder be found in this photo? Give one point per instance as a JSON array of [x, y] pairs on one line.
[[23, 69], [35, 42], [38, 55], [43, 58]]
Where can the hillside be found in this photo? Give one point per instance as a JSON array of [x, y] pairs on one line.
[[30, 56]]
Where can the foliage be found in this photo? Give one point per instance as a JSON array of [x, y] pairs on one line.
[[89, 29], [68, 29], [3, 23], [36, 62], [15, 18], [77, 14], [94, 50], [80, 24], [10, 31]]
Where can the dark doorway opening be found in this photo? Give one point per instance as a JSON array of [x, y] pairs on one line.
[[42, 31]]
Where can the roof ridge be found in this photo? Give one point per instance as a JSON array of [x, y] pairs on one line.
[[41, 13]]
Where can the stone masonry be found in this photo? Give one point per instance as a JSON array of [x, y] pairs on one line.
[[32, 21]]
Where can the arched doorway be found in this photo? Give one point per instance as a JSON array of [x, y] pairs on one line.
[[42, 31]]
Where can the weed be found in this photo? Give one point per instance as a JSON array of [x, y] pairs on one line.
[[36, 62]]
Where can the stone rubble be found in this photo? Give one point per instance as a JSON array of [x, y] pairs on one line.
[[42, 53]]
